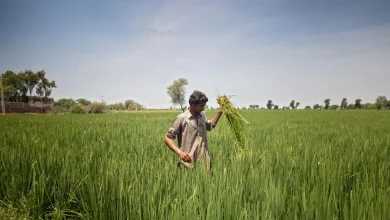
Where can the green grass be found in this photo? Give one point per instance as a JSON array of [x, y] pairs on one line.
[[303, 165]]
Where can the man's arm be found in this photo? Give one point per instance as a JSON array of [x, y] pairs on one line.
[[216, 117], [171, 144]]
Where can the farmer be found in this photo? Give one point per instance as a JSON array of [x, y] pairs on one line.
[[190, 128]]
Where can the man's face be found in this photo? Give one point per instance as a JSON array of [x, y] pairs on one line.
[[199, 107]]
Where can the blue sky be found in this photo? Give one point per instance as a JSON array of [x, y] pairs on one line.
[[281, 50]]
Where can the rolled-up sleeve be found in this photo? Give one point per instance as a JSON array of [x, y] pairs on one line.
[[175, 129], [210, 125]]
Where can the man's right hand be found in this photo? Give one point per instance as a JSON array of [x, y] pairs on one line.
[[184, 156]]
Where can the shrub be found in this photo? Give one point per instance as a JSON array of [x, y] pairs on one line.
[[60, 109], [96, 107], [78, 109], [65, 103]]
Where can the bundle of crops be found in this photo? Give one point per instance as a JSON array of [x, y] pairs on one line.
[[235, 121]]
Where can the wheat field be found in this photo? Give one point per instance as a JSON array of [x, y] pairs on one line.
[[300, 165]]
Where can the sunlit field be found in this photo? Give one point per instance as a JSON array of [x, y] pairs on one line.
[[300, 165]]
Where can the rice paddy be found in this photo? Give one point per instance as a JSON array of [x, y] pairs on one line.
[[303, 165]]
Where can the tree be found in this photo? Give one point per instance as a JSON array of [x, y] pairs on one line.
[[344, 104], [30, 79], [116, 106], [369, 105], [177, 92], [12, 86], [358, 103], [2, 96], [307, 107], [316, 106], [9, 79], [269, 104], [297, 104], [334, 107], [381, 102], [83, 101], [48, 88], [63, 105], [350, 106], [40, 84], [67, 103], [128, 103], [23, 86], [292, 104], [78, 109], [121, 106], [97, 107], [132, 105], [327, 103], [18, 85], [43, 86], [276, 107]]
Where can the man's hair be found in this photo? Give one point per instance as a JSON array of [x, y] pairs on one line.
[[198, 97]]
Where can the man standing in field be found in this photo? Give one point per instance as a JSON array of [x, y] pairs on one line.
[[191, 129]]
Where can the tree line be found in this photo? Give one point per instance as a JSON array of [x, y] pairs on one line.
[[22, 86], [381, 102], [19, 87], [177, 90], [82, 105]]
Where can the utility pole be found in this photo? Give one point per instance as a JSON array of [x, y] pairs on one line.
[[2, 96]]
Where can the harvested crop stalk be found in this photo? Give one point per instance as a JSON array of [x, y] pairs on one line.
[[235, 121]]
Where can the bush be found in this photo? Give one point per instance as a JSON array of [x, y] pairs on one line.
[[78, 109], [96, 107], [66, 103], [60, 109]]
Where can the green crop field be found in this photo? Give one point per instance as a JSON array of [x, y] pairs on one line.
[[299, 165]]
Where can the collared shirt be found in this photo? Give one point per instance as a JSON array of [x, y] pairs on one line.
[[187, 128]]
